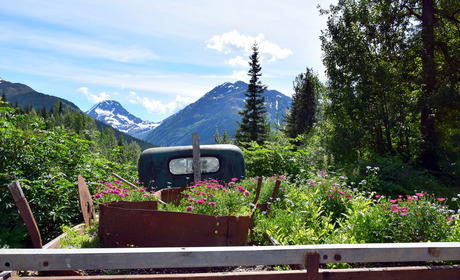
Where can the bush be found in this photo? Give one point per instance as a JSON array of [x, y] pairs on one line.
[[47, 163]]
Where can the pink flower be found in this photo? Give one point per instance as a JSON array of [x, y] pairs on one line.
[[201, 201], [377, 195], [404, 213], [98, 195], [189, 208], [246, 194], [440, 199], [212, 203], [234, 179], [419, 194], [240, 188], [187, 195]]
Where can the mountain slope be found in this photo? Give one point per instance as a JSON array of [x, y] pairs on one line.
[[23, 96], [112, 113], [217, 108]]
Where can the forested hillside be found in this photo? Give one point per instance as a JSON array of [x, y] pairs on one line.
[[46, 154]]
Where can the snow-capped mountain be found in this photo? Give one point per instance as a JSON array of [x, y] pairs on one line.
[[112, 113], [216, 109]]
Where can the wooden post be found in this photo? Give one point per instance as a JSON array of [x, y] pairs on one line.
[[312, 262], [26, 214], [196, 157]]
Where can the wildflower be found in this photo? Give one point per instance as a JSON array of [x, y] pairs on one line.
[[404, 213], [440, 199], [189, 208], [234, 179], [246, 194], [419, 194], [200, 201], [98, 195], [212, 203]]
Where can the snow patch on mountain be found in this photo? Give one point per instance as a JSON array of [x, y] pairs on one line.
[[112, 113]]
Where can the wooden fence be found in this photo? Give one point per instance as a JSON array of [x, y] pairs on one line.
[[307, 257]]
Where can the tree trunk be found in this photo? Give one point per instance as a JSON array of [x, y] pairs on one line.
[[427, 120]]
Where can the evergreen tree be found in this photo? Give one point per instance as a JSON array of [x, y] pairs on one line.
[[254, 125], [4, 98], [224, 139], [302, 115]]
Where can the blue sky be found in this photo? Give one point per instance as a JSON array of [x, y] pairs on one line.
[[155, 56]]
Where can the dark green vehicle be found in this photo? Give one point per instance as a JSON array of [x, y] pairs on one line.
[[165, 167]]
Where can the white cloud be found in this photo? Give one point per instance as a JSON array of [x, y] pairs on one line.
[[241, 75], [159, 107], [94, 98], [235, 42], [237, 61]]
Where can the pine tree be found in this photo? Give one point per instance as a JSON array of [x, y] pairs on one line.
[[302, 115], [254, 125]]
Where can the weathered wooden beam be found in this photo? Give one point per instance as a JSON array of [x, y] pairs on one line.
[[26, 213], [131, 258], [196, 157]]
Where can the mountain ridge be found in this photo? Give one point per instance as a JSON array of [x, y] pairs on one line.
[[216, 109]]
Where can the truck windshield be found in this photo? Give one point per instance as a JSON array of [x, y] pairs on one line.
[[182, 166]]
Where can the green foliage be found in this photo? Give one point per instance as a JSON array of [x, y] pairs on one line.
[[302, 115], [47, 163], [212, 197], [254, 125], [279, 157], [80, 238], [327, 210], [118, 190], [390, 75]]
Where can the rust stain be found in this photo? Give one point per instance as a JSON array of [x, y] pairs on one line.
[[138, 224], [435, 252]]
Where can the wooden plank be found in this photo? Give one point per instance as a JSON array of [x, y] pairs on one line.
[[130, 258], [5, 275], [55, 243], [312, 262], [196, 157], [257, 275], [26, 213]]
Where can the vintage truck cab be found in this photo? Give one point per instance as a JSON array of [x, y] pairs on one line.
[[164, 167]]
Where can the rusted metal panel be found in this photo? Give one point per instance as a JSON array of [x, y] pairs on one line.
[[400, 273], [122, 225], [86, 201], [391, 273], [171, 195], [26, 214]]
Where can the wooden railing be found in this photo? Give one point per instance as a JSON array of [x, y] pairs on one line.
[[310, 256]]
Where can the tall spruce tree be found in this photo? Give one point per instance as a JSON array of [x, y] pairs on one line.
[[302, 115], [254, 125]]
